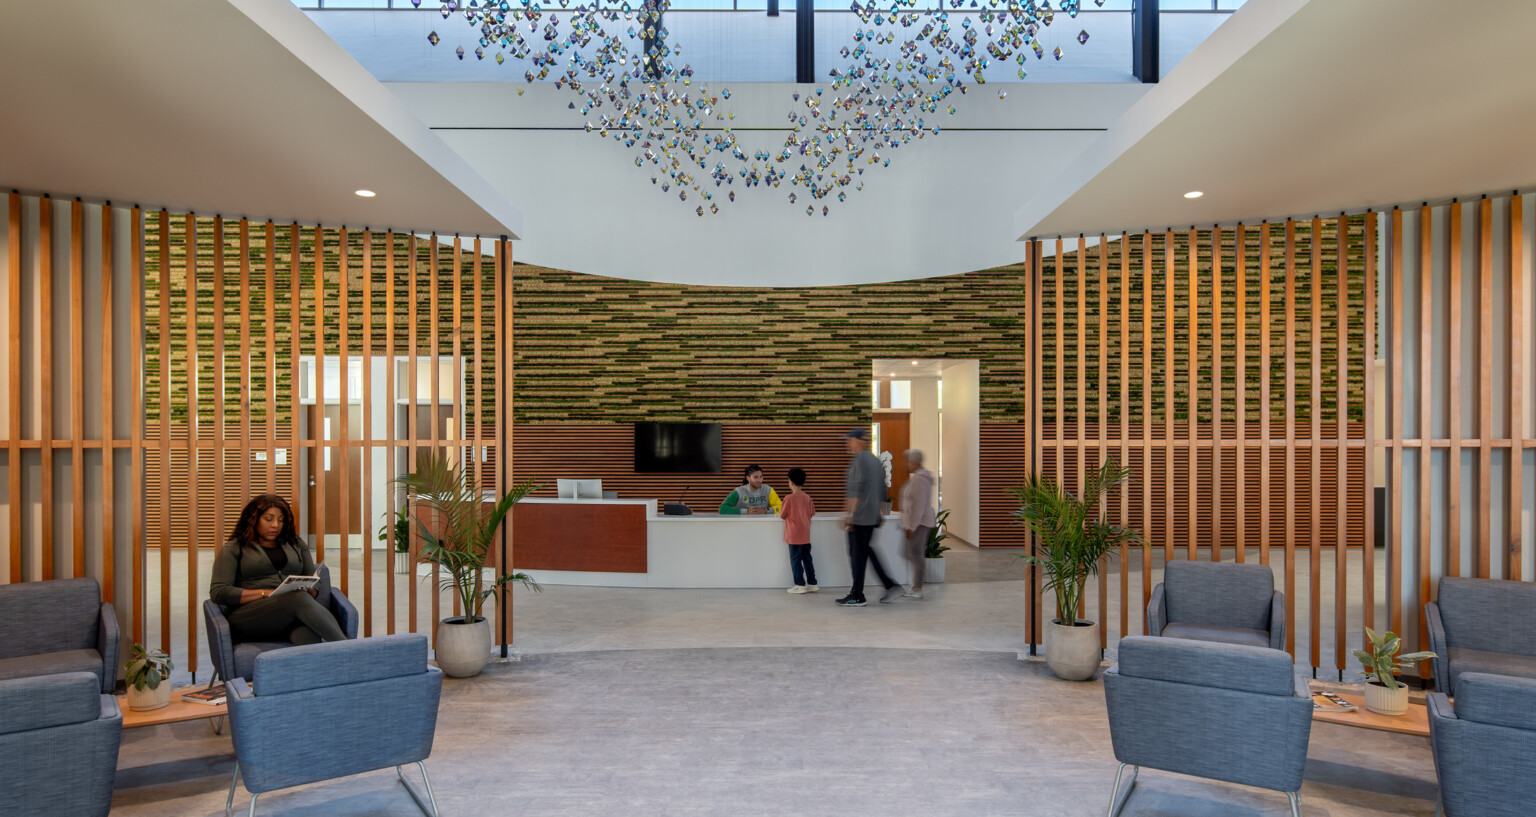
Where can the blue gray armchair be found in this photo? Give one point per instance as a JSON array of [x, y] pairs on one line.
[[1482, 625], [1227, 712], [58, 746], [1218, 601], [236, 659], [1485, 749], [323, 711], [58, 626]]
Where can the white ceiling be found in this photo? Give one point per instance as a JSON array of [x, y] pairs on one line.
[[1297, 108], [243, 108]]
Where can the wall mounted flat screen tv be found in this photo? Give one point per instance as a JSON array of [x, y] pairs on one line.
[[677, 447]]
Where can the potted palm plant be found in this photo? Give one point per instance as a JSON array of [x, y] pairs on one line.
[[1074, 534], [1383, 693], [933, 552], [147, 674], [396, 531], [459, 540]]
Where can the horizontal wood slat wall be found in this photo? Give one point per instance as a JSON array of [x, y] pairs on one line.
[[68, 410], [1455, 342], [1004, 465], [1225, 367], [545, 453]]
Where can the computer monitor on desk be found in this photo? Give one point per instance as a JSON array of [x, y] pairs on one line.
[[579, 488]]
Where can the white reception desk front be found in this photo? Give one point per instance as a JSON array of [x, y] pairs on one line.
[[715, 550]]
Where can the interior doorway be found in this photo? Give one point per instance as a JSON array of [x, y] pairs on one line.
[[933, 405]]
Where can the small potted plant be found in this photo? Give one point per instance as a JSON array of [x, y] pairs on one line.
[[1383, 694], [1074, 534], [396, 531], [458, 539], [933, 553], [148, 676]]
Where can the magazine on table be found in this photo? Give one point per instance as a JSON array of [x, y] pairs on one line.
[[293, 583], [212, 695], [1329, 702]]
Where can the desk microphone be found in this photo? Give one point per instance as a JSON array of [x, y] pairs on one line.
[[678, 508]]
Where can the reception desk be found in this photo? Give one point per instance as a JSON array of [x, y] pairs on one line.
[[702, 550]]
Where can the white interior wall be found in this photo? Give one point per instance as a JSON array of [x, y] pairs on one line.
[[925, 419], [943, 206], [961, 423]]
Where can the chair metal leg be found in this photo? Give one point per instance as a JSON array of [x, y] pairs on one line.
[[229, 803], [1116, 802], [1439, 808], [1295, 797], [252, 812], [411, 790]]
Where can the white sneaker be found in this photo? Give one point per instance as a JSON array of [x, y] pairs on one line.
[[799, 588], [811, 588], [912, 594]]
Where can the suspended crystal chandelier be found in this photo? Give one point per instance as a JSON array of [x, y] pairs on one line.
[[901, 69]]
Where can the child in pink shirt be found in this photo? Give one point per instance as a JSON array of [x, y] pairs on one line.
[[796, 513]]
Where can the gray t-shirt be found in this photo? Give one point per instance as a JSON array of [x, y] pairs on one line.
[[747, 498], [864, 482]]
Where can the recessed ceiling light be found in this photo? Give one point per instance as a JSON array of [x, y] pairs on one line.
[[914, 363], [1193, 194], [367, 194]]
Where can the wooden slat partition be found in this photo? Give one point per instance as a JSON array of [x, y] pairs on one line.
[[302, 296], [1206, 306], [1450, 242], [79, 289]]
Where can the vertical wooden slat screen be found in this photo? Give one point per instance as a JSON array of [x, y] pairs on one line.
[[13, 344], [1237, 330], [303, 298], [1449, 242], [78, 293]]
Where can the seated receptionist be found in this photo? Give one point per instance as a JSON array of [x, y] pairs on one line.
[[264, 549], [752, 497]]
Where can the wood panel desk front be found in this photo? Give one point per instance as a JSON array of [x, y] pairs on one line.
[[595, 536]]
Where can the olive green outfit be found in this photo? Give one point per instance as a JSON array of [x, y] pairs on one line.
[[294, 617]]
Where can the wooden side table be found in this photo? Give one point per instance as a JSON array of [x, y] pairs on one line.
[[174, 712], [1416, 722]]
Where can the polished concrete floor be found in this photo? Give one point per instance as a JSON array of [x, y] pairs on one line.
[[777, 731], [663, 702]]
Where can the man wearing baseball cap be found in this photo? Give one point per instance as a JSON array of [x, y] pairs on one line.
[[864, 493]]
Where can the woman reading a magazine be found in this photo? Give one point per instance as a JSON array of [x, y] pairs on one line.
[[262, 551]]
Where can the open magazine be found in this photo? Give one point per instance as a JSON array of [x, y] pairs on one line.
[[293, 583], [1330, 702]]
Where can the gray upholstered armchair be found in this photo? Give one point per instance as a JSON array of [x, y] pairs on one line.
[[1485, 749], [1218, 601], [235, 659], [1482, 625], [1221, 711], [58, 626], [323, 711], [58, 746]]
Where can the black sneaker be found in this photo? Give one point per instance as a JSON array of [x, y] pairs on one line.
[[850, 601]]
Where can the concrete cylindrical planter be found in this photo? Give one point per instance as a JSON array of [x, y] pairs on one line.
[[463, 648], [1385, 701], [143, 700], [1072, 652], [933, 573], [402, 562]]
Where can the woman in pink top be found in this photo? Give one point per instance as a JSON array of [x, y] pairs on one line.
[[917, 517], [796, 513]]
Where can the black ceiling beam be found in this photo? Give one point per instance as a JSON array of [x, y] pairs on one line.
[[1144, 40], [805, 41]]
